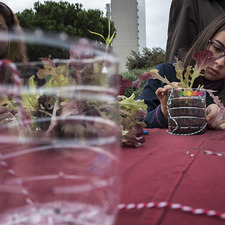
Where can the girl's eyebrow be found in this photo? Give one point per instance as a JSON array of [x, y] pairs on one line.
[[218, 41]]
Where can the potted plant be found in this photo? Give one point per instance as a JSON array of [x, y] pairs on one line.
[[83, 69], [186, 105]]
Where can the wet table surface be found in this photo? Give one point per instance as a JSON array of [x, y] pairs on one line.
[[174, 180]]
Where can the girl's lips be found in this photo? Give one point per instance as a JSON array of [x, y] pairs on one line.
[[212, 71]]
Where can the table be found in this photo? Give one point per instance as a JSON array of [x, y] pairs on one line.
[[179, 180]]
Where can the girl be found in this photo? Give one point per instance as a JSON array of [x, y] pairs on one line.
[[15, 51], [155, 92]]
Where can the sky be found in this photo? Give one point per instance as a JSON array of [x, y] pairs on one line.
[[157, 14]]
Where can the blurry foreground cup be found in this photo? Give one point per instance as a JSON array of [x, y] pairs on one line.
[[59, 152], [186, 110]]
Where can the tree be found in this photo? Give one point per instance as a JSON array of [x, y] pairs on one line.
[[55, 17], [135, 61], [156, 56], [149, 58]]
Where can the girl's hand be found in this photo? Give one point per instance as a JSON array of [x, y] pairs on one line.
[[162, 95], [214, 117]]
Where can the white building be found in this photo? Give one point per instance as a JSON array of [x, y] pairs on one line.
[[129, 19]]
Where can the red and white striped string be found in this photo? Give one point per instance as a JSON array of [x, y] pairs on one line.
[[24, 118], [174, 206]]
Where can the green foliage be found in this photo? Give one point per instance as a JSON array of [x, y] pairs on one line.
[[148, 58], [132, 76], [131, 111], [58, 17], [134, 61], [156, 56], [187, 75]]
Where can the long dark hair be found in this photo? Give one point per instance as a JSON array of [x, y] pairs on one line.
[[202, 41], [16, 50], [201, 44]]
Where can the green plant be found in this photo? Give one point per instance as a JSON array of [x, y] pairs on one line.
[[187, 75], [109, 38], [131, 111], [66, 92]]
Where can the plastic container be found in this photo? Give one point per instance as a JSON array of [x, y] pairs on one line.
[[186, 110], [59, 152]]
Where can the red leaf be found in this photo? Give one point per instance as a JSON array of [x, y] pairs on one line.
[[123, 84], [203, 59], [137, 83], [148, 75], [145, 76]]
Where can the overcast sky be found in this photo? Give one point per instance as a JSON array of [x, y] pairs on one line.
[[157, 14]]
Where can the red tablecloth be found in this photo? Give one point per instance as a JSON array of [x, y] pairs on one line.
[[174, 169]]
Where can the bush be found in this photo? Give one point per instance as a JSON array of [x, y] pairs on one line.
[[148, 58], [157, 57]]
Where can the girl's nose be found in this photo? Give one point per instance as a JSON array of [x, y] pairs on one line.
[[220, 61]]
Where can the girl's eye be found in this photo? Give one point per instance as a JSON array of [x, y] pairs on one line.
[[217, 48]]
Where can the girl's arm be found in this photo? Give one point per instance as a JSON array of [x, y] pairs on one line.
[[155, 117]]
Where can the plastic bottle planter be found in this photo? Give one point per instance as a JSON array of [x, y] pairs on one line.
[[60, 160], [186, 109]]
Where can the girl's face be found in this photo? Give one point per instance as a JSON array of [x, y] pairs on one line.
[[217, 71], [3, 34]]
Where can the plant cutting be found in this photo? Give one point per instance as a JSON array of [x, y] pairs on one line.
[[131, 110], [46, 112], [186, 76]]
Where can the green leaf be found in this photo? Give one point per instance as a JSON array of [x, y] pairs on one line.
[[131, 104], [155, 75], [30, 101], [97, 34]]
